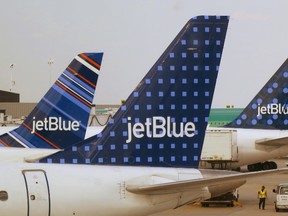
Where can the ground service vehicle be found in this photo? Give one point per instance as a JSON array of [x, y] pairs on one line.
[[281, 197], [220, 149]]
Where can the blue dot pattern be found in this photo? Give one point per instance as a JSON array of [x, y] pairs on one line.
[[269, 108], [179, 87]]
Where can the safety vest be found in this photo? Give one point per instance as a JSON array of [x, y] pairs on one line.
[[262, 194]]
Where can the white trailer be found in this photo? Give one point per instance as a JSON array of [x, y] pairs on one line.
[[220, 148]]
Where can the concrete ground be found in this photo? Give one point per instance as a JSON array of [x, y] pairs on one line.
[[247, 199]]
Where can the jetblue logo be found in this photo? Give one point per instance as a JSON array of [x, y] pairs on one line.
[[272, 109], [54, 124], [158, 127]]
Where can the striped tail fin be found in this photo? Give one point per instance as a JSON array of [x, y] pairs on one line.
[[61, 117]]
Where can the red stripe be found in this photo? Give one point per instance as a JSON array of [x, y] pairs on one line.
[[85, 57], [81, 77], [39, 135], [4, 143], [73, 94]]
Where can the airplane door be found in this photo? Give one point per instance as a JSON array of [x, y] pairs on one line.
[[37, 193]]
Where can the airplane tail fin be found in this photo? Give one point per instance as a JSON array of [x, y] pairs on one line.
[[163, 121], [269, 108], [61, 117]]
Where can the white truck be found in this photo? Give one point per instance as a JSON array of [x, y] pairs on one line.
[[281, 202], [219, 149]]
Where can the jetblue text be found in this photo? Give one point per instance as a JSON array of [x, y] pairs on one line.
[[272, 109], [54, 124], [158, 126]]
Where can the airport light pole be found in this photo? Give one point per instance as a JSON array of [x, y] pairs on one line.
[[50, 63], [12, 82]]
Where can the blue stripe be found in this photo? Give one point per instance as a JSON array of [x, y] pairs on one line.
[[71, 98], [80, 81], [84, 72], [14, 133], [33, 138], [63, 104], [80, 91]]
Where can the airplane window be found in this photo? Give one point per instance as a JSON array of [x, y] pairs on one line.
[[3, 196]]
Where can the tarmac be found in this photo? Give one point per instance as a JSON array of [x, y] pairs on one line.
[[247, 203]]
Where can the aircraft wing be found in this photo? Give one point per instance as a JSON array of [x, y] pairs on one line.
[[273, 142], [184, 186]]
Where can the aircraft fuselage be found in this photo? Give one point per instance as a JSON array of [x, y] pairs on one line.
[[61, 189]]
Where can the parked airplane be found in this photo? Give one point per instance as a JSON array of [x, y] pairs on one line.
[[61, 117], [142, 162], [262, 127]]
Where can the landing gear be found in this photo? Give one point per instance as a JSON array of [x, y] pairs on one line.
[[267, 165]]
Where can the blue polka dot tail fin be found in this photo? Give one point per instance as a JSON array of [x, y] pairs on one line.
[[61, 117], [163, 121], [269, 108]]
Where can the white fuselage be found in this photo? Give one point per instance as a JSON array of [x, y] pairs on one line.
[[61, 189]]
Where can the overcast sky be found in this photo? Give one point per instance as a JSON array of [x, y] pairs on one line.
[[133, 34]]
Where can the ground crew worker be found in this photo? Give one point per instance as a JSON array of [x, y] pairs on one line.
[[262, 195]]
